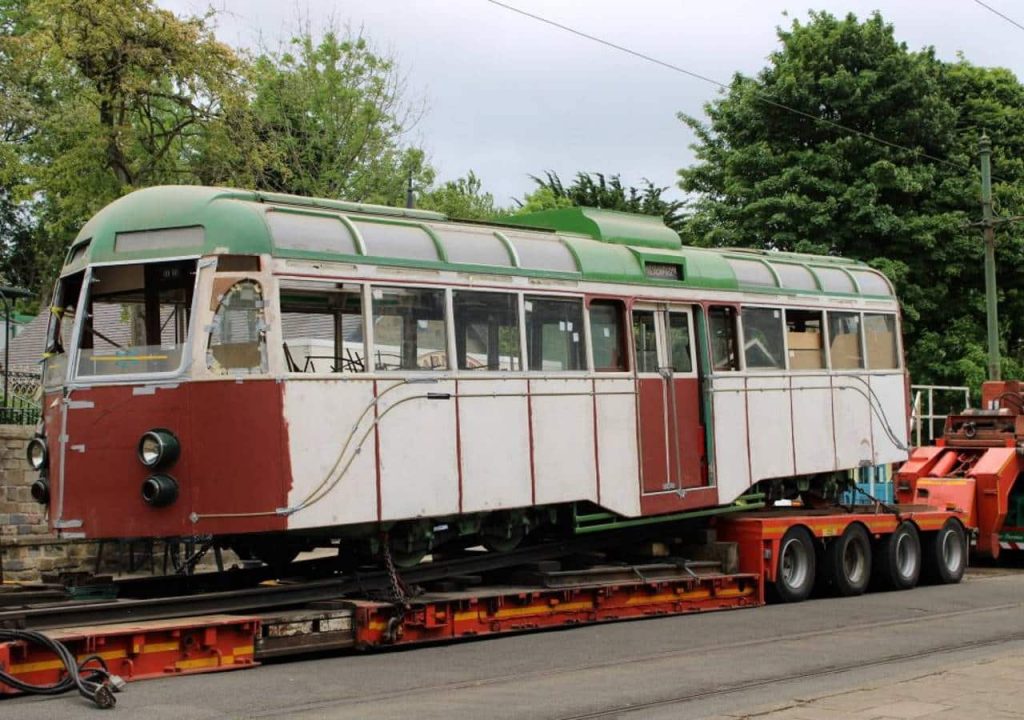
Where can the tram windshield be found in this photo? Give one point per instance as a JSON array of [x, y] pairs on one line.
[[62, 322], [136, 319]]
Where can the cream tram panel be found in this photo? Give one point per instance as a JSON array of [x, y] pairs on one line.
[[315, 445], [616, 446], [732, 462], [853, 420], [890, 392], [495, 444], [769, 429], [813, 434], [563, 440], [419, 474]]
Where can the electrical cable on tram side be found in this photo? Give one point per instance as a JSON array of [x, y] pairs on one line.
[[91, 677]]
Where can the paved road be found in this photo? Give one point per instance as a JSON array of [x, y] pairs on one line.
[[696, 666]]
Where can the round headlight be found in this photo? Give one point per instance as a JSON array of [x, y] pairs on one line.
[[36, 453], [159, 490], [158, 448], [41, 491]]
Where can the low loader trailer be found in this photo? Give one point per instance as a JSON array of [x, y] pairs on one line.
[[950, 498]]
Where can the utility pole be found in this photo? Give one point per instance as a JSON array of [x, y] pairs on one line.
[[989, 228], [410, 198]]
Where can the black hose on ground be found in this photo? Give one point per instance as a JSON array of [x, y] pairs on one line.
[[96, 684]]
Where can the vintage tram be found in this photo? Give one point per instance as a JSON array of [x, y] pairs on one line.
[[276, 371]]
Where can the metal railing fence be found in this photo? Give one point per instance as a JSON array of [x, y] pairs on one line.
[[931, 405]]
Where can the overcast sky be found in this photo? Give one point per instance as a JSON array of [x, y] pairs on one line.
[[509, 97]]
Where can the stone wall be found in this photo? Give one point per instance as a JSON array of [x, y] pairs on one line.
[[28, 551]]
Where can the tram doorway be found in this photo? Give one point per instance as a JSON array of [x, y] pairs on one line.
[[668, 399]]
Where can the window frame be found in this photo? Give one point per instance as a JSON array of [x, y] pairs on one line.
[[860, 338], [897, 341], [740, 365], [72, 375], [625, 329], [691, 329], [781, 309], [370, 336], [519, 318], [826, 359], [584, 329], [280, 282]]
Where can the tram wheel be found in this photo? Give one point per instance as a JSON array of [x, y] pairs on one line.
[[945, 554], [409, 542], [898, 558], [848, 562], [503, 531], [794, 574]]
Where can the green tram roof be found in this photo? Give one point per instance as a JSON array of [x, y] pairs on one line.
[[569, 243]]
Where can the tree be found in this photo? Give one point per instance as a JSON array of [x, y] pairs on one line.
[[770, 178], [109, 96], [332, 115], [462, 198], [600, 191]]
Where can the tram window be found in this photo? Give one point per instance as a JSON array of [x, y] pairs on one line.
[[763, 347], [872, 283], [806, 338], [58, 332], [607, 337], [844, 341], [679, 342], [385, 239], [554, 334], [880, 338], [236, 342], [472, 246], [136, 318], [486, 330], [645, 340], [310, 232], [541, 252], [834, 280], [795, 277], [722, 332], [409, 329], [752, 272], [322, 327]]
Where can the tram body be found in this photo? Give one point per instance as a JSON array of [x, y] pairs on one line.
[[224, 362]]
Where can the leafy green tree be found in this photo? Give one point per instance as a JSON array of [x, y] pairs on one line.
[[332, 115], [601, 191], [462, 198], [107, 96], [770, 178]]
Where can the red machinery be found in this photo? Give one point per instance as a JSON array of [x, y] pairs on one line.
[[975, 467]]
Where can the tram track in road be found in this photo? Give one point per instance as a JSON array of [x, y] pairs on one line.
[[760, 646], [790, 678]]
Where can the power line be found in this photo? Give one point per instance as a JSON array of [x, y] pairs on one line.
[[992, 10], [724, 86]]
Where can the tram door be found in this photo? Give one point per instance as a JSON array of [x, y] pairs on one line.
[[668, 399]]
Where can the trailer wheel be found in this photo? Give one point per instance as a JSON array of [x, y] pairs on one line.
[[898, 558], [848, 561], [794, 574], [945, 554]]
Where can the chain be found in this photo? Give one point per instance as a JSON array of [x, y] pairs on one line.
[[396, 590], [187, 565]]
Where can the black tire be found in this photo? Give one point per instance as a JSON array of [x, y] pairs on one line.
[[898, 558], [794, 573], [847, 568], [945, 554]]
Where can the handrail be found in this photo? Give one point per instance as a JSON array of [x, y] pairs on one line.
[[919, 418]]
